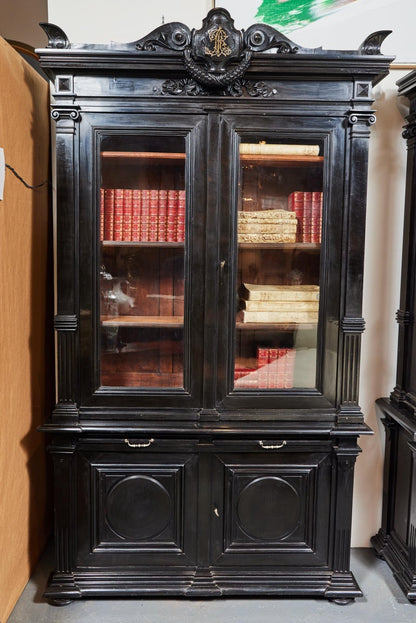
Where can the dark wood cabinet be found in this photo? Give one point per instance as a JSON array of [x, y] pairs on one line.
[[210, 195], [396, 539]]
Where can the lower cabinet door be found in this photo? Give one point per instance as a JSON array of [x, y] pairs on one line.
[[271, 509], [136, 507]]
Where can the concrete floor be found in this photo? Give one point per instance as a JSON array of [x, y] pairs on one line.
[[383, 602]]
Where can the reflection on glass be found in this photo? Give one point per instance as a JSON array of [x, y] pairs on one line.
[[142, 233], [279, 239]]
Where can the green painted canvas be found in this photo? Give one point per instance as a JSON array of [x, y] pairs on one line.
[[291, 14]]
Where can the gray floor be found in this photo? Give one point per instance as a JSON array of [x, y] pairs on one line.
[[383, 602]]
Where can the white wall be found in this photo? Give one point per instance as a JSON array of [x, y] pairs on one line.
[[82, 22], [122, 21]]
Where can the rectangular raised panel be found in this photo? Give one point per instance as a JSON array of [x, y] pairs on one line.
[[402, 490], [276, 509], [135, 507]]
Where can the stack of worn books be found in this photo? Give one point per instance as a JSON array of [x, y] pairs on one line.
[[278, 303], [267, 226]]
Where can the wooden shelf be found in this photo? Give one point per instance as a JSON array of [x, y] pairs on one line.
[[281, 160], [141, 244], [127, 378], [170, 322], [275, 326], [286, 246], [144, 155]]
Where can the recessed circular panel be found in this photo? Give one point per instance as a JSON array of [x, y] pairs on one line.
[[138, 507], [268, 508]]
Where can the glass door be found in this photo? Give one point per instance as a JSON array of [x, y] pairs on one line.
[[142, 261], [279, 233]]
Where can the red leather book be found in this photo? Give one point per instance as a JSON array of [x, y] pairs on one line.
[[172, 216], [136, 214], [180, 228], [153, 215], [262, 365], [127, 214], [163, 216], [108, 213], [118, 213], [101, 213], [144, 225], [307, 217], [295, 204], [316, 220]]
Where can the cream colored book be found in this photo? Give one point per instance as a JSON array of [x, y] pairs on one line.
[[283, 150], [310, 306], [265, 215], [256, 238], [261, 292], [279, 227], [282, 316]]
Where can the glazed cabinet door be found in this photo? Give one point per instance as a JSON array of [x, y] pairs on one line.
[[141, 264], [273, 506], [282, 283]]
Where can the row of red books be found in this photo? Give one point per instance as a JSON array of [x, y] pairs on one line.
[[275, 370], [308, 209], [149, 215]]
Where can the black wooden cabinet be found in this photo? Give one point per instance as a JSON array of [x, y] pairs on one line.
[[210, 200], [396, 539]]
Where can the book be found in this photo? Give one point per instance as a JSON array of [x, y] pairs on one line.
[[145, 215], [263, 292], [277, 316], [136, 214], [265, 215], [101, 213], [127, 214], [279, 227], [274, 149], [276, 237], [108, 213], [257, 305], [118, 214]]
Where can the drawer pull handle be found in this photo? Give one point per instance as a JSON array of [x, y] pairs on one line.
[[139, 445], [274, 447]]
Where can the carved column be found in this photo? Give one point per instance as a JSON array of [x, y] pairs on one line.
[[343, 586], [62, 452], [352, 324], [67, 261]]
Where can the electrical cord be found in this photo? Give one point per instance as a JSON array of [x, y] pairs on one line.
[[34, 187]]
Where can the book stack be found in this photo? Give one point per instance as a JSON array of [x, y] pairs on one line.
[[275, 370], [148, 215], [308, 209], [278, 303], [269, 149], [267, 226]]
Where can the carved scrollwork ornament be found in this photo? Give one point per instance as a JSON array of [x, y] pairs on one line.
[[372, 44], [361, 117], [56, 36], [173, 36], [65, 113], [409, 131]]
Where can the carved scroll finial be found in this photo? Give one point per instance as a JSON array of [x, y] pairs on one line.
[[372, 44], [56, 36]]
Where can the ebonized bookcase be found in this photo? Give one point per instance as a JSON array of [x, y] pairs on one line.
[[210, 199], [396, 539]]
